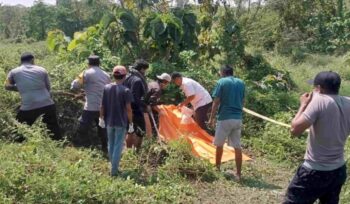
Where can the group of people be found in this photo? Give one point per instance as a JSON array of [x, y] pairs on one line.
[[120, 111]]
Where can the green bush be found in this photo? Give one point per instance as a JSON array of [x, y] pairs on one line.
[[276, 142], [43, 171], [181, 162]]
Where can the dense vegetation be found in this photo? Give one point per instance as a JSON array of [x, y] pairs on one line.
[[275, 46]]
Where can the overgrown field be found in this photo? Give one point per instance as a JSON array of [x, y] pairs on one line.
[[42, 171]]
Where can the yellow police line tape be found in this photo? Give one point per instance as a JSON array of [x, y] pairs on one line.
[[265, 118], [268, 119]]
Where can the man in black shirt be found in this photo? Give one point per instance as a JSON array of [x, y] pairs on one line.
[[136, 82]]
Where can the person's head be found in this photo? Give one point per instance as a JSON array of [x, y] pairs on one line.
[[163, 80], [93, 61], [119, 73], [141, 66], [327, 82], [176, 78], [27, 58], [226, 70]]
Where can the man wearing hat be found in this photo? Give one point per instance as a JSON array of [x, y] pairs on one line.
[[155, 89], [326, 113], [115, 114], [33, 84], [92, 81]]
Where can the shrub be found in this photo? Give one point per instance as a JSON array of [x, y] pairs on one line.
[[275, 142]]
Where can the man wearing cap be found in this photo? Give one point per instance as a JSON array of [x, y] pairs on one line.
[[115, 114], [92, 81], [228, 98], [195, 94], [323, 172], [136, 82], [155, 89], [33, 84]]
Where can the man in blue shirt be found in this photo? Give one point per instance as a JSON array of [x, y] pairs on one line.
[[228, 97], [116, 111]]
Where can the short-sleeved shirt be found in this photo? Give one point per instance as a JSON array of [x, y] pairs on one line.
[[92, 81], [201, 96], [230, 90], [33, 85], [330, 119], [136, 86], [114, 101]]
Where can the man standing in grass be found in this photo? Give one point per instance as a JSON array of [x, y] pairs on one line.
[[136, 82], [228, 97], [195, 94], [153, 99], [323, 172], [92, 80], [115, 113], [33, 84]]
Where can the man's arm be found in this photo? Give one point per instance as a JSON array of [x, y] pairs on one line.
[[10, 84], [78, 82], [10, 87], [129, 111], [214, 109], [138, 93], [189, 92], [103, 104], [299, 123], [102, 112], [187, 101], [47, 82]]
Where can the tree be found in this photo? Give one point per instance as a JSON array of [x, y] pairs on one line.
[[41, 19], [74, 15], [12, 21]]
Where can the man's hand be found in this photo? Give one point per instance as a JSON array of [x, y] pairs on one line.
[[180, 105], [101, 123], [211, 123], [305, 99], [131, 128]]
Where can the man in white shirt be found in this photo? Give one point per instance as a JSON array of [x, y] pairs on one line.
[[195, 94]]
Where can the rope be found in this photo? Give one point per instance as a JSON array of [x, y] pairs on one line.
[[265, 118], [268, 119]]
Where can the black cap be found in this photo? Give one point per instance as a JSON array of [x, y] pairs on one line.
[[94, 60], [327, 80], [27, 57]]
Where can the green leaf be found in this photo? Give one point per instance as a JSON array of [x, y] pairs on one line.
[[174, 33], [157, 27], [72, 45], [106, 20], [190, 19], [128, 20]]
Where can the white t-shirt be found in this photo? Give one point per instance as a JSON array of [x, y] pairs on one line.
[[190, 87]]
